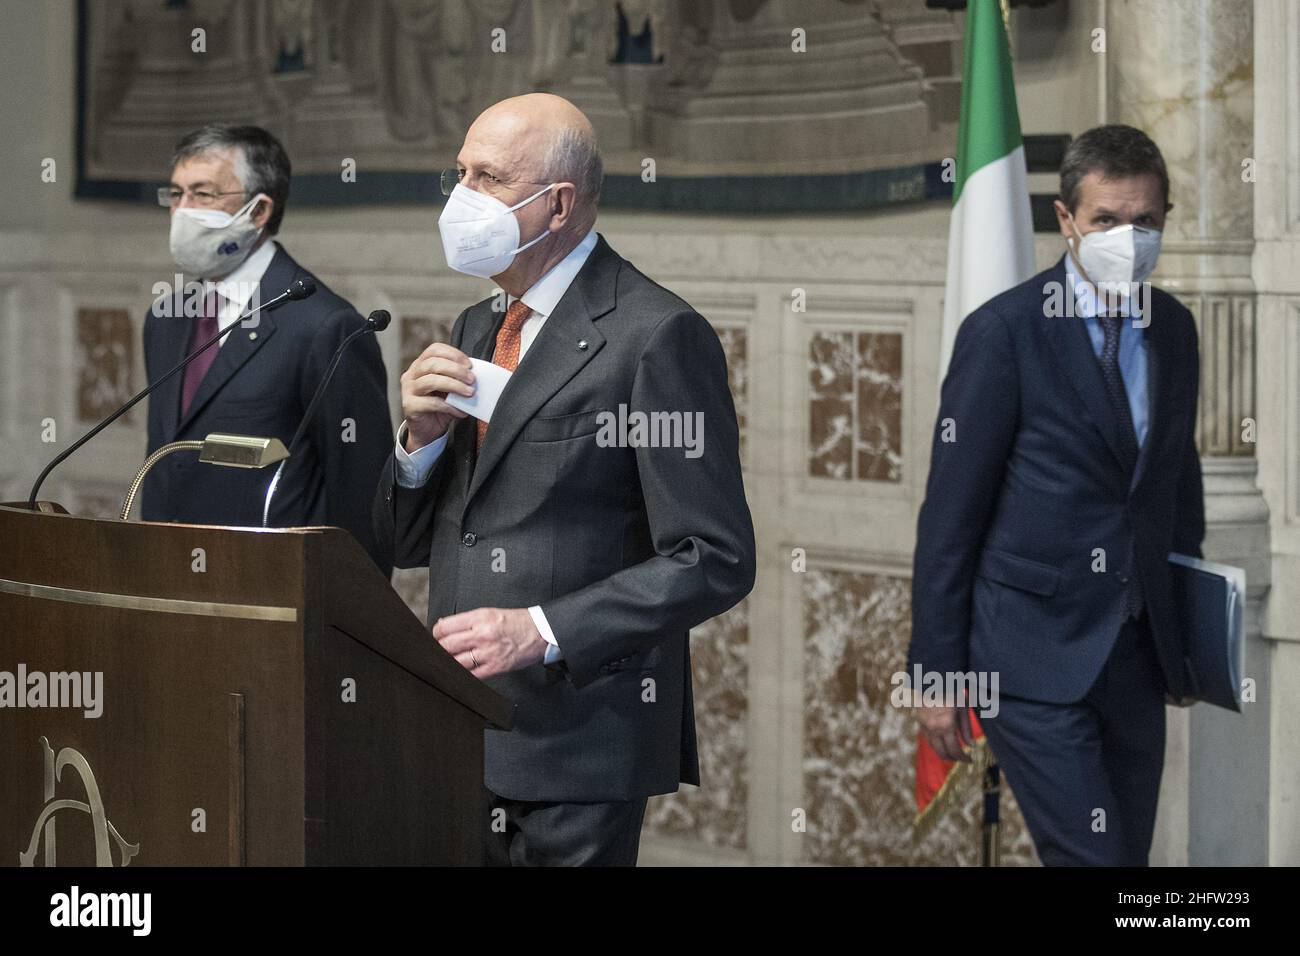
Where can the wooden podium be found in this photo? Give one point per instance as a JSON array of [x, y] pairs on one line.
[[266, 699]]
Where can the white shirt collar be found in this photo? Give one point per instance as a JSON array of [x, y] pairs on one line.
[[545, 294], [238, 287]]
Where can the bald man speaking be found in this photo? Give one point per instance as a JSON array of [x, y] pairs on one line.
[[575, 537]]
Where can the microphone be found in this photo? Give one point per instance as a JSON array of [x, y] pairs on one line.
[[299, 289], [376, 321]]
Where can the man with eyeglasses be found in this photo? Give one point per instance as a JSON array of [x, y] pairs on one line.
[[227, 195], [567, 565]]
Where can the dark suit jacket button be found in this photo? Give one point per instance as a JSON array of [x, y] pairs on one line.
[[469, 539], [1123, 579]]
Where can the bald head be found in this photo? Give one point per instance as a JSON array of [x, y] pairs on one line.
[[536, 138], [537, 155]]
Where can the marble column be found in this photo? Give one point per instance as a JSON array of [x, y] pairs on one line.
[[1277, 250], [1194, 96]]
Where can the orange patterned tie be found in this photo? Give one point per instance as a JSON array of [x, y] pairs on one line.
[[507, 350]]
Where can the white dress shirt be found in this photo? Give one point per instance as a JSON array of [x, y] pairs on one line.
[[235, 290], [541, 297]]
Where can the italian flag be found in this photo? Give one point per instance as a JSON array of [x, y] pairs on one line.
[[990, 249], [990, 235]]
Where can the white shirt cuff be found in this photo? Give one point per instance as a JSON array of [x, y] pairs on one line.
[[413, 468], [553, 652]]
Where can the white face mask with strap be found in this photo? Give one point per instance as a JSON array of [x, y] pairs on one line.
[[1116, 259], [480, 234], [210, 243]]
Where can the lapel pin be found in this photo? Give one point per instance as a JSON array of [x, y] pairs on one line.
[[582, 345], [252, 336]]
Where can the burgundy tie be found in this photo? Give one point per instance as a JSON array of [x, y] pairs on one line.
[[204, 329]]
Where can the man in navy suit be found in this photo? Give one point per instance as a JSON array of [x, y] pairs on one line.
[[1063, 473], [227, 194]]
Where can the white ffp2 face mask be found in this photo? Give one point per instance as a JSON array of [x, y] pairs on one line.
[[1117, 258], [480, 234], [210, 243]]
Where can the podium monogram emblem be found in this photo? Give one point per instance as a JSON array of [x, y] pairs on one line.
[[93, 805]]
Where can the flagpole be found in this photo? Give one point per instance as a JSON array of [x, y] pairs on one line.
[[990, 851], [990, 854]]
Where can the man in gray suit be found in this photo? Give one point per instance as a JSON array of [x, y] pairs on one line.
[[575, 538]]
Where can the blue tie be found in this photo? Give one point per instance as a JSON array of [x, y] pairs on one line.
[[1118, 395], [1115, 391]]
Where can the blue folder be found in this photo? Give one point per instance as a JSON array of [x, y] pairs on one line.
[[1211, 599]]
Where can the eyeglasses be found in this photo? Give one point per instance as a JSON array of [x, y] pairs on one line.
[[169, 196], [450, 177]]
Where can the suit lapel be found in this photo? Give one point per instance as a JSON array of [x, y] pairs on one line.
[[1073, 348], [553, 358], [173, 339], [241, 343], [1159, 382], [483, 348], [487, 323]]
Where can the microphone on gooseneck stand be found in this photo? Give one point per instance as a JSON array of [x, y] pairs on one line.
[[300, 289], [377, 321]]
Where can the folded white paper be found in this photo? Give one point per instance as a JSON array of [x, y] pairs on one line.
[[489, 382]]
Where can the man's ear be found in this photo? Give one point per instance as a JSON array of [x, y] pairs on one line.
[[261, 213], [564, 197], [1063, 219]]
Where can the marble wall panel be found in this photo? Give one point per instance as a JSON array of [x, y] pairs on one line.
[[855, 407], [715, 813], [735, 345], [831, 364], [878, 436]]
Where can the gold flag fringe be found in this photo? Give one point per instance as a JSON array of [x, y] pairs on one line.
[[954, 786]]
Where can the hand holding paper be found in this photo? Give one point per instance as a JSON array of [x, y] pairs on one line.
[[489, 382]]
